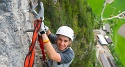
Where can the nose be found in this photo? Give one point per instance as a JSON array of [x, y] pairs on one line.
[[62, 43]]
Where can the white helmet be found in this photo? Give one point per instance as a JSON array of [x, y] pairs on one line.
[[66, 31]]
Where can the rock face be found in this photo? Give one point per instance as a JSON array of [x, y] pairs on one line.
[[14, 43]]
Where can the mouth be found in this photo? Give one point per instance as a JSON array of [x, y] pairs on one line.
[[61, 47]]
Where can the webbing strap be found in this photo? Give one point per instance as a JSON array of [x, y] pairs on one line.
[[42, 47], [29, 60]]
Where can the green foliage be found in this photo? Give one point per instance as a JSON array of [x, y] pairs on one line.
[[113, 9], [78, 15], [118, 40], [96, 6]]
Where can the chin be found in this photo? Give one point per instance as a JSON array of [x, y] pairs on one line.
[[61, 49]]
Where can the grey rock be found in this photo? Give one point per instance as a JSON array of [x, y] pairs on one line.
[[14, 44]]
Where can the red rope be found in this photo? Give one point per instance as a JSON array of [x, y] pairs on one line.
[[29, 60], [42, 47]]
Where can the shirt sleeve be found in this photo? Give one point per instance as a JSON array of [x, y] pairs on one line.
[[52, 38], [67, 56]]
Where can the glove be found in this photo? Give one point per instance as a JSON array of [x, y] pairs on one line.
[[43, 29], [46, 28]]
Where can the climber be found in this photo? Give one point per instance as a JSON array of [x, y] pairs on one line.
[[58, 47]]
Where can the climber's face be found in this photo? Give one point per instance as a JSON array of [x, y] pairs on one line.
[[63, 42]]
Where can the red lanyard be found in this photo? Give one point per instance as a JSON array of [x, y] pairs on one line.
[[29, 60]]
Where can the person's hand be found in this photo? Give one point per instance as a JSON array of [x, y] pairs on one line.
[[43, 29], [46, 28]]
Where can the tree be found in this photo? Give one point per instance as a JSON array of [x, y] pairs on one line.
[[78, 15]]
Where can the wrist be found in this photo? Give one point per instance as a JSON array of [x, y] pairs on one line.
[[42, 32], [46, 41]]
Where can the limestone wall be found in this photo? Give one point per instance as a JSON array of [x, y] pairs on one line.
[[14, 19]]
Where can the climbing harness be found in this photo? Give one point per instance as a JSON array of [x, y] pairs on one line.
[[29, 60]]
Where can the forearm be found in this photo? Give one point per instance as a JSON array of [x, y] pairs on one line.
[[50, 50]]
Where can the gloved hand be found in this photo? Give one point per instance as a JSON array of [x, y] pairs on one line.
[[43, 29], [46, 28]]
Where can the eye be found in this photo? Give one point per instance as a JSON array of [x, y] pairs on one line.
[[59, 39], [65, 41]]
